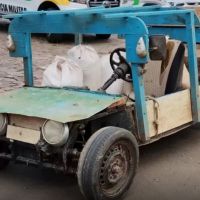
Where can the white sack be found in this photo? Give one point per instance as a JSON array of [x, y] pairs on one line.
[[87, 58], [62, 73]]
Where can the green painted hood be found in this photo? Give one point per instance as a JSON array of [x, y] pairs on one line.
[[63, 105]]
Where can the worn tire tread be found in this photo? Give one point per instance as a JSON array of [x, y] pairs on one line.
[[90, 153]]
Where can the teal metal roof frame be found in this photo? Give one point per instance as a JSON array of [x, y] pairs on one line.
[[132, 22]]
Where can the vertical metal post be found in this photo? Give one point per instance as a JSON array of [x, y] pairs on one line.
[[140, 102], [138, 83], [28, 69], [193, 68], [78, 39]]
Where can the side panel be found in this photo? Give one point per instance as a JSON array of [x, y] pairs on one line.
[[169, 112], [16, 6]]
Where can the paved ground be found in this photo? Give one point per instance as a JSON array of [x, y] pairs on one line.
[[169, 169]]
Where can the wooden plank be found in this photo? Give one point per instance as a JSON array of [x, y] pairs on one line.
[[26, 122], [23, 134], [174, 110]]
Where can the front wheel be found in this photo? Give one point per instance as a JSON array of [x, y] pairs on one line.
[[53, 37], [108, 164]]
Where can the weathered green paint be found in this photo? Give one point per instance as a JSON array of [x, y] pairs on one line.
[[63, 105]]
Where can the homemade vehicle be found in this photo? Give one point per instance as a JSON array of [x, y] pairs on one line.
[[93, 134]]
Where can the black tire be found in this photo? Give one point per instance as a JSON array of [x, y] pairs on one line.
[[108, 164], [54, 38], [3, 162], [103, 36], [151, 4]]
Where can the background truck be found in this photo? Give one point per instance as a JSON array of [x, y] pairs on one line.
[[15, 6]]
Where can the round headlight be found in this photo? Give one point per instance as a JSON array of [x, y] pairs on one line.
[[55, 133], [3, 123]]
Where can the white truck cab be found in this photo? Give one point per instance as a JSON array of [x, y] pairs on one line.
[[16, 6]]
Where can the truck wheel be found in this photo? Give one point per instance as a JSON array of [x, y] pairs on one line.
[[103, 36], [54, 38], [3, 162], [108, 164]]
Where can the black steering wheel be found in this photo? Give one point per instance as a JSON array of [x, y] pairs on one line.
[[122, 61]]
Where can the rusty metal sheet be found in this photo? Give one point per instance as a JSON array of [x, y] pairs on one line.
[[63, 105]]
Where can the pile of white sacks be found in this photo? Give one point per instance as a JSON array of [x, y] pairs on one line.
[[82, 67]]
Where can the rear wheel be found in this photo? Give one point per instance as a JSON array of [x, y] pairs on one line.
[[52, 37], [103, 36], [3, 149], [3, 163], [108, 164]]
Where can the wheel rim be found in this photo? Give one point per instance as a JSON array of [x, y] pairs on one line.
[[115, 168]]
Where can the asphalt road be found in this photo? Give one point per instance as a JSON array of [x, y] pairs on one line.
[[169, 169]]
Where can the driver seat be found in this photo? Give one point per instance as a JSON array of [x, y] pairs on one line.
[[165, 77]]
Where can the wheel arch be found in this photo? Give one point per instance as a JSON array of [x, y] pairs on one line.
[[47, 5], [122, 118]]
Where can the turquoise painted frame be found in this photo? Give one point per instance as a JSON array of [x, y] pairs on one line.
[[131, 22]]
